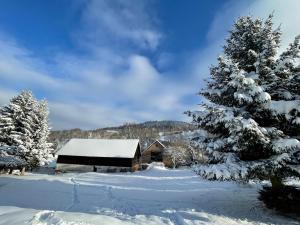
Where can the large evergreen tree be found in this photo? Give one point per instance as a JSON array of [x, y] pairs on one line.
[[16, 123], [253, 100], [23, 124], [42, 149]]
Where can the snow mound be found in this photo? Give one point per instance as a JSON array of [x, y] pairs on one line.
[[47, 217], [156, 166]]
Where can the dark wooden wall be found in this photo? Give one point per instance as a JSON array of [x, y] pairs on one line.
[[153, 153], [101, 161], [136, 160], [97, 161]]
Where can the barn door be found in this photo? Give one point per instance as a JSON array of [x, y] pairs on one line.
[[156, 157]]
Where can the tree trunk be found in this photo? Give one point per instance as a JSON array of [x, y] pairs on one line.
[[276, 182], [23, 171], [174, 163], [10, 171]]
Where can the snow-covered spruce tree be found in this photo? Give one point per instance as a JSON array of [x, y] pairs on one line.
[[16, 124], [285, 106], [245, 140], [42, 150], [20, 122]]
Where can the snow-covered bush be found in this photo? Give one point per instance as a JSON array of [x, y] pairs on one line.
[[8, 160], [24, 124], [253, 110], [176, 155]]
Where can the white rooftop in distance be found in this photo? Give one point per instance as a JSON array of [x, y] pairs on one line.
[[111, 148]]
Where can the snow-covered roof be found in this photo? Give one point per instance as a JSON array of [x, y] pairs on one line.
[[156, 141], [110, 148]]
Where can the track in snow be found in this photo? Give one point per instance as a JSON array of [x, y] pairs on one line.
[[155, 196], [75, 199]]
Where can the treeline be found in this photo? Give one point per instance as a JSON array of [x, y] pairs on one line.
[[144, 131]]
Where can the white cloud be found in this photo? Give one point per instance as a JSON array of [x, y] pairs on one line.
[[110, 84], [90, 93], [66, 115], [286, 15], [20, 67], [6, 95], [224, 19], [121, 20], [140, 78]]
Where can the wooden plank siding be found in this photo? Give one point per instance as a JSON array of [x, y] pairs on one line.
[[137, 159], [132, 163], [152, 152], [95, 161]]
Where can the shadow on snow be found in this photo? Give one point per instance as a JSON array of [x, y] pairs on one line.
[[173, 195]]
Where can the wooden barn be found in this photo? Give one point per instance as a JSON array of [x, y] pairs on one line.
[[104, 155], [170, 154], [154, 152]]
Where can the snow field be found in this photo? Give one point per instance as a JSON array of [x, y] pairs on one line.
[[154, 196]]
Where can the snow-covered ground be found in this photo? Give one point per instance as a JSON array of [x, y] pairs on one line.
[[154, 196]]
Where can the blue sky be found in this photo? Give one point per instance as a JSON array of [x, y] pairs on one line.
[[106, 62]]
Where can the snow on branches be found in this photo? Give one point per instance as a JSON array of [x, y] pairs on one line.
[[8, 160], [24, 125], [253, 114]]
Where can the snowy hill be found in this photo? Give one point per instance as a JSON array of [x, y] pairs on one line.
[[183, 136], [144, 131]]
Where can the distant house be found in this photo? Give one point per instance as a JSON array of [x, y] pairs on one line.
[[107, 155], [154, 152]]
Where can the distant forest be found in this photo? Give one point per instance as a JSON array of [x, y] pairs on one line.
[[144, 131]]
